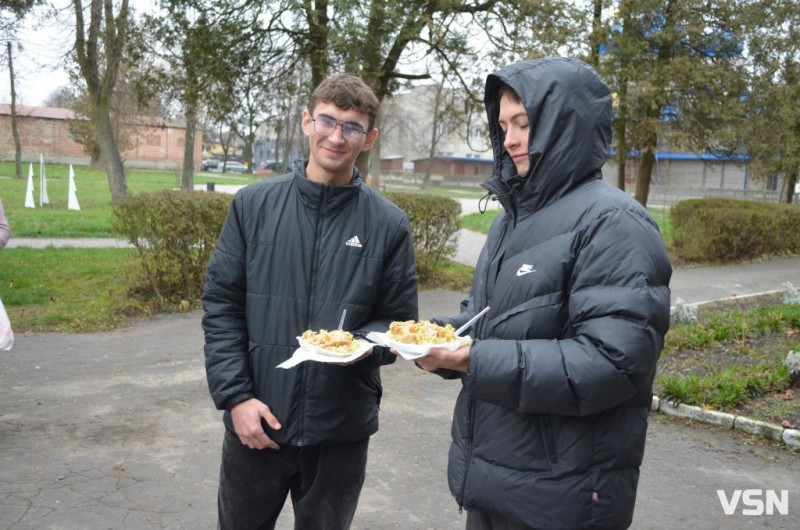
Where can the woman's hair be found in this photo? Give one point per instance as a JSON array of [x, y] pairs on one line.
[[346, 92], [505, 89]]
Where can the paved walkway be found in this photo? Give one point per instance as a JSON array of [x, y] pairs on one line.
[[690, 284], [116, 431]]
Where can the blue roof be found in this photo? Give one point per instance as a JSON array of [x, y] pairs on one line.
[[706, 157], [457, 159]]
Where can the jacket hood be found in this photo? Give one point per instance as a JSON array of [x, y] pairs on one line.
[[569, 111]]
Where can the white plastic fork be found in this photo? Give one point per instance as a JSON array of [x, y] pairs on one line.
[[471, 321]]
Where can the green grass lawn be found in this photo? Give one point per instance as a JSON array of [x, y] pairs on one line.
[[481, 222], [68, 289], [94, 217], [83, 290]]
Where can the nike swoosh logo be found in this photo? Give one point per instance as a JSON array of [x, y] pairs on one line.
[[522, 272]]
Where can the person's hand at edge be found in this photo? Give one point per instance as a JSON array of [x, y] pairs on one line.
[[247, 417]]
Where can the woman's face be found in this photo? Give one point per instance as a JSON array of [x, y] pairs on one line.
[[514, 123]]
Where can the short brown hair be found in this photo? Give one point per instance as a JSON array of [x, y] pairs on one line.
[[504, 89], [347, 92]]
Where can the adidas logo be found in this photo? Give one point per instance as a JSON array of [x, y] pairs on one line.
[[353, 242]]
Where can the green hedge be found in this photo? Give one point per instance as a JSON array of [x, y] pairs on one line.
[[435, 222], [723, 230], [175, 233]]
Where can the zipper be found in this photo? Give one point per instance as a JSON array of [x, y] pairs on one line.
[[480, 328], [479, 332], [471, 432], [312, 286]]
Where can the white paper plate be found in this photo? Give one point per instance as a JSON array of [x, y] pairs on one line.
[[309, 352], [414, 351]]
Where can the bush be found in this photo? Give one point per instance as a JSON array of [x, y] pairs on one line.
[[435, 222], [174, 233], [723, 230]]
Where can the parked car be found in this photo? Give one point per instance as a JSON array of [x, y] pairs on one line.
[[232, 166], [209, 163]]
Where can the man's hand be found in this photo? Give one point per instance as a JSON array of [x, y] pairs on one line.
[[438, 358], [361, 357], [247, 417]]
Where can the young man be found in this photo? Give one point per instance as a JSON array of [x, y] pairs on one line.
[[549, 427], [293, 254]]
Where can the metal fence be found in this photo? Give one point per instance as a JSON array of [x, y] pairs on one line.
[[659, 195], [670, 196]]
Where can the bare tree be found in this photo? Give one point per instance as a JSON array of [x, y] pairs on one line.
[[14, 131], [99, 68]]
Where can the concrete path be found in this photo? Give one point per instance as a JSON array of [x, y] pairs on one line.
[[116, 431], [67, 242], [690, 284]]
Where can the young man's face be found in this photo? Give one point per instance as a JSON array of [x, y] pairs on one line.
[[334, 153], [514, 122]]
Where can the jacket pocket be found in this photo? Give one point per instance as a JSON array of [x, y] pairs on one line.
[[539, 317]]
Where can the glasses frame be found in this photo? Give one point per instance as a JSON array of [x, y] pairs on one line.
[[351, 127]]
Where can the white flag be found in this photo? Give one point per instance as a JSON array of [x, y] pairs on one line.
[[72, 201], [29, 202], [43, 198]]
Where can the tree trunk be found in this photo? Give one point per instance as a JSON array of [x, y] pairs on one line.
[[597, 32], [791, 183], [109, 151], [187, 177], [100, 83], [622, 160], [643, 177], [362, 163], [14, 130], [620, 127], [317, 18], [434, 135], [375, 157]]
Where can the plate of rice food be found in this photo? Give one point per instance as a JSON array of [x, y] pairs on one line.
[[414, 339], [336, 343]]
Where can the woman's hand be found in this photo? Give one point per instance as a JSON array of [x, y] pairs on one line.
[[439, 358]]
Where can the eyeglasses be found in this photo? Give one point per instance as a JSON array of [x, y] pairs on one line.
[[325, 126]]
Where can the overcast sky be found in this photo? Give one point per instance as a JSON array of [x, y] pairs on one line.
[[39, 68]]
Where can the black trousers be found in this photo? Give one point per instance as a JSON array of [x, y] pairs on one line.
[[324, 482], [490, 521]]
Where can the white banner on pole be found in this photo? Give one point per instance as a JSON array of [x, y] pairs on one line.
[[29, 202], [43, 198], [72, 201]]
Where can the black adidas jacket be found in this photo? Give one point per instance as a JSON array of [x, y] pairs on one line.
[[549, 428], [292, 254]]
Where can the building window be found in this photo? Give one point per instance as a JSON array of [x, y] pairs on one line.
[[772, 182]]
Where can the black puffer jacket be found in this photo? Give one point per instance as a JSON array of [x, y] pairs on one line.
[[292, 254], [549, 428]]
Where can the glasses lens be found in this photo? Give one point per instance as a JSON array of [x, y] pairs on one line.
[[324, 125], [352, 132]]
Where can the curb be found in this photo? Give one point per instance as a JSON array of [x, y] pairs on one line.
[[681, 312], [790, 437]]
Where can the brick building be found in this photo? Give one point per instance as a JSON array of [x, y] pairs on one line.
[[456, 169], [158, 143]]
